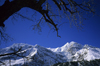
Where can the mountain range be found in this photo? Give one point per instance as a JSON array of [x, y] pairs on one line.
[[20, 54]]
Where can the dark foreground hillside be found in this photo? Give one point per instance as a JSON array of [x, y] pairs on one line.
[[80, 63]]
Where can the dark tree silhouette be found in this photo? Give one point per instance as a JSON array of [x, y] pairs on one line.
[[71, 9]]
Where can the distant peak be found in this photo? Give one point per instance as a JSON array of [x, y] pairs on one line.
[[72, 43], [37, 45], [87, 46], [67, 44]]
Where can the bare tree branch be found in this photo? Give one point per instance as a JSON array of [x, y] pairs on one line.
[[24, 16], [57, 4], [13, 53], [9, 8]]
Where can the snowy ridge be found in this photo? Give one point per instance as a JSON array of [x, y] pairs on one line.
[[37, 55], [41, 56], [88, 53], [68, 50]]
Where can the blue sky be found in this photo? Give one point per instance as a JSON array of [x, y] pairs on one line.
[[21, 31]]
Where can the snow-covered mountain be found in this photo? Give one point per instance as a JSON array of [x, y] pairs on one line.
[[36, 55]]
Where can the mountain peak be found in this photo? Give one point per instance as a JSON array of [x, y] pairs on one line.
[[41, 56], [72, 43], [37, 46]]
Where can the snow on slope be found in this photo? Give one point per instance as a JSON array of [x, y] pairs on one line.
[[67, 47], [68, 50], [88, 53], [72, 51], [37, 55], [41, 56]]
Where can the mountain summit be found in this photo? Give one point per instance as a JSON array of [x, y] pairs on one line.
[[40, 56]]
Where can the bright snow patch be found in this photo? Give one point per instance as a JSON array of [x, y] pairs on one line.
[[47, 56]]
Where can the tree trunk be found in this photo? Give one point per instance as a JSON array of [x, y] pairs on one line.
[[9, 8]]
